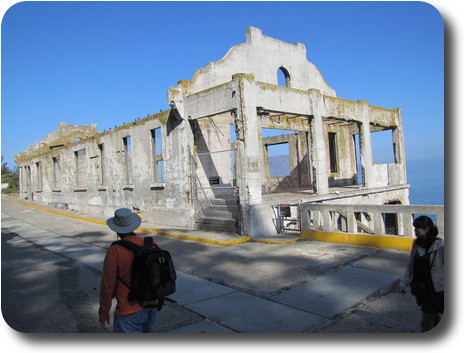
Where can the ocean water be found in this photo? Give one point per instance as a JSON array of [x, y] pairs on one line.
[[427, 180]]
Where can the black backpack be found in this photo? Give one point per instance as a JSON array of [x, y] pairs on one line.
[[153, 272]]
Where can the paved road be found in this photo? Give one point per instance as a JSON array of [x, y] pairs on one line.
[[51, 267]]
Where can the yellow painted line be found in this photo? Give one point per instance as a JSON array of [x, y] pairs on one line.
[[146, 230], [377, 241], [274, 242], [193, 238], [55, 212]]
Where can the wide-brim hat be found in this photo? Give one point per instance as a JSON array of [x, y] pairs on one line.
[[124, 221]]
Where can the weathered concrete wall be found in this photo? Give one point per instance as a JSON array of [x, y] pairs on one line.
[[257, 56], [116, 177]]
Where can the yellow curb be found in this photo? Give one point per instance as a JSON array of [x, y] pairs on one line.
[[198, 239], [274, 242], [377, 241]]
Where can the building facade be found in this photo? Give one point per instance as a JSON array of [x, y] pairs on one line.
[[209, 161]]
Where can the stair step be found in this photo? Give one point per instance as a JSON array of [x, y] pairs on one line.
[[224, 201], [220, 216], [217, 220], [221, 212], [224, 207], [216, 227]]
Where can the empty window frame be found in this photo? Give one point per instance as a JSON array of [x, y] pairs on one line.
[[357, 151], [39, 175], [283, 77], [127, 147], [157, 155], [382, 146], [333, 152], [101, 152], [56, 172], [28, 178], [81, 168]]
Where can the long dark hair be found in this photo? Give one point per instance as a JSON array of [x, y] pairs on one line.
[[425, 222]]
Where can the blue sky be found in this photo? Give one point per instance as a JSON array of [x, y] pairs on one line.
[[112, 62]]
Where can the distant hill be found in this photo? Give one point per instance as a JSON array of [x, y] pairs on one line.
[[279, 165]]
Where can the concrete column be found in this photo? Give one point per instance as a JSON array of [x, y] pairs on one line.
[[21, 180], [408, 229], [318, 145], [366, 145], [398, 145], [379, 227], [351, 222], [327, 224], [248, 149]]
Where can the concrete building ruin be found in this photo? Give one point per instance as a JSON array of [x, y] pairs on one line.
[[207, 162]]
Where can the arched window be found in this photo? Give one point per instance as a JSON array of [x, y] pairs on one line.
[[283, 77]]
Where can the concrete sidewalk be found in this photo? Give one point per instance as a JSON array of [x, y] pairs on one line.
[[278, 287]]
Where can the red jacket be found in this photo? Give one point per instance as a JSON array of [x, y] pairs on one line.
[[118, 261]]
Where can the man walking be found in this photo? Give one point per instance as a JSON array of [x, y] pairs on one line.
[[129, 317]]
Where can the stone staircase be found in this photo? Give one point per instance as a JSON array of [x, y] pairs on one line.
[[220, 216]]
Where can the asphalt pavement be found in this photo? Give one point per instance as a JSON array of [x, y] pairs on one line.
[[52, 261]]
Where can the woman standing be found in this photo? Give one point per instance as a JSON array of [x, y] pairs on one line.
[[425, 272]]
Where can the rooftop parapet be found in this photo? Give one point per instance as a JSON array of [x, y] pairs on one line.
[[263, 57]]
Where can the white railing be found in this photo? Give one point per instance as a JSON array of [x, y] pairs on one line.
[[368, 219]]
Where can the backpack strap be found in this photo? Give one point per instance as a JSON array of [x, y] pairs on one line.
[[131, 246], [148, 242], [128, 245]]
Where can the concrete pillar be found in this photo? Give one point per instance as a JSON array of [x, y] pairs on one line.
[[318, 145], [398, 145], [379, 226], [366, 145], [408, 229], [351, 222], [248, 171]]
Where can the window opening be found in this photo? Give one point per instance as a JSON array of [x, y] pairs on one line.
[[80, 167], [101, 151], [29, 182], [333, 152], [359, 168], [39, 175], [29, 178], [128, 158], [283, 77], [127, 144], [56, 172], [382, 146], [157, 155], [278, 152]]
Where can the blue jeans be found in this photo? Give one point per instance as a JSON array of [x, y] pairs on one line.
[[140, 322]]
